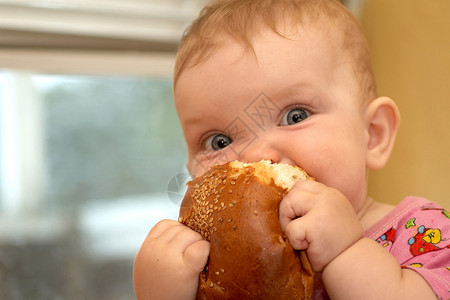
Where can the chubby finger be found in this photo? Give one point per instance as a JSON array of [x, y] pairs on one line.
[[311, 186], [184, 237], [297, 234], [161, 227], [196, 255], [298, 202]]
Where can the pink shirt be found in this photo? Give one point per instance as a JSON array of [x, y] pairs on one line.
[[417, 234]]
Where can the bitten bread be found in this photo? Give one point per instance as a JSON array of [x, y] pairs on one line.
[[235, 207]]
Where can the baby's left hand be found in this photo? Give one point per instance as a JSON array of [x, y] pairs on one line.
[[319, 219]]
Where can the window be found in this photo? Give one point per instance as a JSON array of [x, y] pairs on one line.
[[87, 163]]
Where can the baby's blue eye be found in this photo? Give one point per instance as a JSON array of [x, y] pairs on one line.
[[294, 116], [218, 142]]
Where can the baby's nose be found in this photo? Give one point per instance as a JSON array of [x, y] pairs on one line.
[[260, 149]]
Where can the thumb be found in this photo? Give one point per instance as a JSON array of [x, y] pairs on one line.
[[196, 255]]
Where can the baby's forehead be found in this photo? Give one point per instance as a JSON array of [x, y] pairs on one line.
[[201, 49], [230, 49]]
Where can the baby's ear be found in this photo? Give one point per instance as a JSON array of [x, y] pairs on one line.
[[383, 121]]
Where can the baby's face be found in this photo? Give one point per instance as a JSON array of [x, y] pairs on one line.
[[295, 103]]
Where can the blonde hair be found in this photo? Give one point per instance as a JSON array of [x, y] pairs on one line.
[[241, 20]]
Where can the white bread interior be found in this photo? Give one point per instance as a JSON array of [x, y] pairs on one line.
[[284, 175]]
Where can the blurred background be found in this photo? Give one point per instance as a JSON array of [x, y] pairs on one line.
[[91, 151], [410, 45]]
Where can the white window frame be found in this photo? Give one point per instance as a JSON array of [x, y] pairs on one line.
[[22, 141]]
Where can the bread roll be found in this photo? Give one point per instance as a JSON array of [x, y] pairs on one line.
[[235, 207]]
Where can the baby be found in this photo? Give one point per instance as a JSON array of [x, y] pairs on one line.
[[290, 81]]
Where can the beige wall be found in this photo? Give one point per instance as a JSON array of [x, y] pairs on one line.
[[410, 44]]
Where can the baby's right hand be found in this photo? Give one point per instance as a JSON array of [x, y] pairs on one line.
[[169, 262]]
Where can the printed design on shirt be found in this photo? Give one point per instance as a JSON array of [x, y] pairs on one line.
[[416, 265], [421, 230], [443, 211], [387, 238], [425, 239], [411, 223]]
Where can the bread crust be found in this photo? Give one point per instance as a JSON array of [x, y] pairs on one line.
[[250, 257]]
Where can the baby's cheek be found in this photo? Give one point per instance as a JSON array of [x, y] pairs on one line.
[[349, 180], [354, 190]]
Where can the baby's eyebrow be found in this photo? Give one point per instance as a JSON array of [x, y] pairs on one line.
[[301, 92], [192, 120]]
